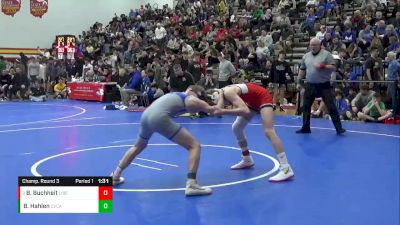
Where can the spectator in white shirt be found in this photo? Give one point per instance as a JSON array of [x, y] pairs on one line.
[[262, 52], [204, 46], [173, 44], [86, 68], [44, 52], [312, 3], [321, 33], [42, 71], [33, 69], [160, 34], [114, 59], [265, 38], [187, 49]]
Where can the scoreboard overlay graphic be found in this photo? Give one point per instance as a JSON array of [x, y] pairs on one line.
[[65, 195]]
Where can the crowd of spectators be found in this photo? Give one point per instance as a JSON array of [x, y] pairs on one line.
[[366, 46], [151, 51]]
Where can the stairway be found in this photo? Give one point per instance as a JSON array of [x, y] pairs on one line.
[[300, 46], [301, 40]]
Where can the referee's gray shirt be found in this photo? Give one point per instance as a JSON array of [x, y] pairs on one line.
[[313, 74]]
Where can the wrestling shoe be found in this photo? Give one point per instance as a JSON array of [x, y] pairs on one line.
[[285, 173], [244, 164], [192, 188], [118, 181]]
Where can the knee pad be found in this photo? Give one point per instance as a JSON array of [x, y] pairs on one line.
[[238, 128]]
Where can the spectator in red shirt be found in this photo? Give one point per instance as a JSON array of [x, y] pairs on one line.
[[236, 32], [206, 28], [222, 33]]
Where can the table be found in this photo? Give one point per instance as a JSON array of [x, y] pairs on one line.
[[92, 91]]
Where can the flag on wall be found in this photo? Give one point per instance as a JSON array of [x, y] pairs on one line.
[[10, 7], [39, 7]]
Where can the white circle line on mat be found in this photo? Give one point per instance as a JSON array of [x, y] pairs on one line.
[[136, 123], [275, 168], [82, 111]]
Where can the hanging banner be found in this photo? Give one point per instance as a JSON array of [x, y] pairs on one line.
[[222, 7], [39, 7], [10, 7]]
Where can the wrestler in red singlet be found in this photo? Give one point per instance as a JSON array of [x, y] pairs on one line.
[[255, 96], [244, 97]]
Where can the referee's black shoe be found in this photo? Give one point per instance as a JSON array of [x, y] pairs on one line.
[[340, 131], [303, 131]]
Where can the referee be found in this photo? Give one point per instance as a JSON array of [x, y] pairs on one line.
[[318, 65]]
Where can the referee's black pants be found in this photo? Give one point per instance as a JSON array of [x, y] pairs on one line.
[[394, 92], [324, 90]]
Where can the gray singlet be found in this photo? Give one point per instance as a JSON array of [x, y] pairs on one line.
[[157, 117]]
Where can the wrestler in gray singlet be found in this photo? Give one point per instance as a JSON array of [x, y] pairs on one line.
[[157, 117]]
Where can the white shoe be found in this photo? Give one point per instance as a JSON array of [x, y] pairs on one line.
[[118, 181], [123, 107], [192, 188], [244, 164], [285, 173]]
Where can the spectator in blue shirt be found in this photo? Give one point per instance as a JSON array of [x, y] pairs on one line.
[[342, 106], [308, 25], [332, 7], [143, 96], [146, 82], [390, 32], [394, 44], [349, 36], [133, 87], [381, 28], [135, 80], [321, 9], [365, 37], [393, 75]]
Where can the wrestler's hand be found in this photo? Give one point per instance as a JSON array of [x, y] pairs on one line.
[[218, 111]]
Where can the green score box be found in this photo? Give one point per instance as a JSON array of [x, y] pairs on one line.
[[105, 206]]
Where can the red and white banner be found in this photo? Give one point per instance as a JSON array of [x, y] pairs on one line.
[[86, 91], [10, 7], [39, 7]]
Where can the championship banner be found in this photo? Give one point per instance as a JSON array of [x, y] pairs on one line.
[[222, 7], [86, 91], [10, 7], [39, 7]]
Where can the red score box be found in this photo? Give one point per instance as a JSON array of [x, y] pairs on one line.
[[105, 193]]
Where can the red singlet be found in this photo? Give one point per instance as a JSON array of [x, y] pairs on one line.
[[255, 96]]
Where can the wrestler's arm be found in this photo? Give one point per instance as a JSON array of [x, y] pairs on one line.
[[239, 106], [221, 102], [195, 105]]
